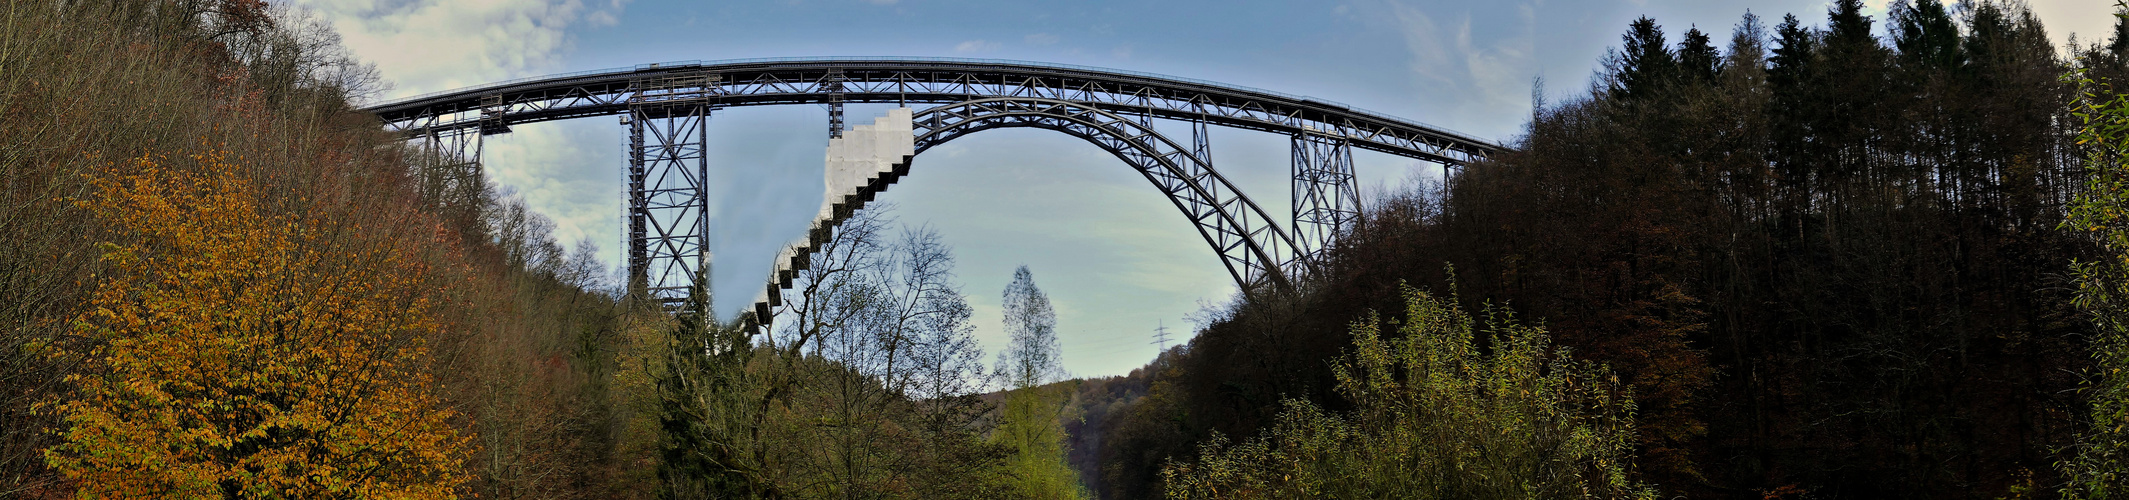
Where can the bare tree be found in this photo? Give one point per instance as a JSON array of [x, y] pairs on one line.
[[1032, 358], [874, 345]]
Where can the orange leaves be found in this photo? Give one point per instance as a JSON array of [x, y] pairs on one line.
[[241, 352]]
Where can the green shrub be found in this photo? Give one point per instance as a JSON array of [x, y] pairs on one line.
[[1438, 415]]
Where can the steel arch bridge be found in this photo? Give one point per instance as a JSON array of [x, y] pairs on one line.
[[666, 107]]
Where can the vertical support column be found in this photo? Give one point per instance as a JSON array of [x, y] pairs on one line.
[[638, 212], [1200, 172], [450, 176], [1201, 140], [668, 202], [1326, 197], [833, 86]]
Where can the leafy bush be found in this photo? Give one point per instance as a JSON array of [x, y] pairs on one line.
[[1438, 415], [2101, 467]]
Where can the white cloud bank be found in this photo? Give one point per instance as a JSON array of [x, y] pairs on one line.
[[430, 45], [567, 171]]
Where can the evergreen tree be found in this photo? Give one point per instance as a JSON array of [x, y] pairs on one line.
[[1846, 25], [1697, 58], [1031, 424], [1926, 36], [2119, 45], [705, 417], [1645, 64], [1791, 72]]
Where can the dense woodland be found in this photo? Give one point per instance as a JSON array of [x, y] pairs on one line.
[[1830, 257], [1830, 264]]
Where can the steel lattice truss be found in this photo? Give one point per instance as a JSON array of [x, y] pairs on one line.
[[667, 105], [668, 202], [449, 171], [939, 81], [1326, 197]]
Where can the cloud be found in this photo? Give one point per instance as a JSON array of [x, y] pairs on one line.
[[976, 46], [568, 171], [2092, 22], [563, 170], [1042, 39], [430, 45], [1446, 59]]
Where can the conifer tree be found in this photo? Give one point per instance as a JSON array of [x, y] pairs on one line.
[[1646, 65], [1926, 36], [707, 445], [1698, 59]]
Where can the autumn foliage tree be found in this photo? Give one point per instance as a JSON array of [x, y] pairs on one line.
[[238, 353]]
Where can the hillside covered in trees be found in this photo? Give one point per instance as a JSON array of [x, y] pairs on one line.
[[220, 279], [1826, 263]]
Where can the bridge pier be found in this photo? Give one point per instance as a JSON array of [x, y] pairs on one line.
[[1326, 194], [450, 175], [668, 203]]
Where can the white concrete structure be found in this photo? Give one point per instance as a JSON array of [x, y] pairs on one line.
[[864, 153], [863, 156]]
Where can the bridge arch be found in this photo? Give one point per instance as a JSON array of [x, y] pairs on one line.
[[1254, 249]]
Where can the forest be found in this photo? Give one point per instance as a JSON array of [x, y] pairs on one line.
[[1832, 256], [1823, 263]]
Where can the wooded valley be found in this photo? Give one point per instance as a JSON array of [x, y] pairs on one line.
[[1820, 256]]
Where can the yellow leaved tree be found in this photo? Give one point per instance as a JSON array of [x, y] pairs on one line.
[[238, 351]]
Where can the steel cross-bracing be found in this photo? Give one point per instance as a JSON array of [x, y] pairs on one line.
[[450, 172], [667, 105], [668, 203], [1326, 198]]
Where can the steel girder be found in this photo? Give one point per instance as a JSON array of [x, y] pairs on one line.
[[1255, 250], [668, 201], [939, 81]]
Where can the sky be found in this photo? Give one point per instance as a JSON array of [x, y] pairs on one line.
[[1116, 259]]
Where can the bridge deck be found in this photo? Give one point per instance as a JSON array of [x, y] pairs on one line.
[[751, 82]]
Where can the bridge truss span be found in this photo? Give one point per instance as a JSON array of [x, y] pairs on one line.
[[666, 107], [936, 81]]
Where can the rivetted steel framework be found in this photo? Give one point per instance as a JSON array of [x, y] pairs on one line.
[[666, 107]]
